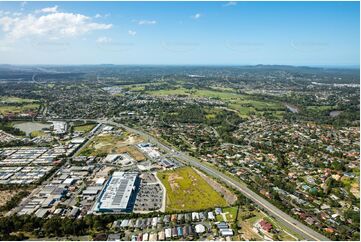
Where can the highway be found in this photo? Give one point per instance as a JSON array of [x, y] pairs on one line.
[[285, 219], [279, 215]]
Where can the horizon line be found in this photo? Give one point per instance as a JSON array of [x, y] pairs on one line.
[[351, 66]]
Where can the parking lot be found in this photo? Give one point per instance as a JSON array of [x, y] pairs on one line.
[[150, 195]]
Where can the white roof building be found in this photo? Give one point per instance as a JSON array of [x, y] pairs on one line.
[[100, 181], [117, 193], [69, 181], [195, 216], [111, 158], [168, 233], [226, 232], [200, 228], [77, 140], [211, 216], [59, 127], [145, 237]]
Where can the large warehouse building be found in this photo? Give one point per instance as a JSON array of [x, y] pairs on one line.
[[119, 194]]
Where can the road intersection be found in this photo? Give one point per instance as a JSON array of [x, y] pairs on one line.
[[279, 215], [294, 225]]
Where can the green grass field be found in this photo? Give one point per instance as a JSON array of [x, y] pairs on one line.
[[178, 91], [245, 105], [84, 128], [102, 144], [247, 225], [18, 108], [9, 104], [187, 191], [37, 133], [231, 213], [320, 108], [16, 100]]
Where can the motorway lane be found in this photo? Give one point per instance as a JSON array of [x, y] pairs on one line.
[[285, 219], [282, 217]]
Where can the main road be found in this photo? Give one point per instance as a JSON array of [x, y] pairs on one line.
[[285, 219], [35, 191]]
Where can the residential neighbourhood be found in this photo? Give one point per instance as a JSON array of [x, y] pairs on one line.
[[180, 121]]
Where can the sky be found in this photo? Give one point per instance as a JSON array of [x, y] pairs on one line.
[[180, 33]]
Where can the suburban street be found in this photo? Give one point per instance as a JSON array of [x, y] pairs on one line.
[[38, 188], [279, 215]]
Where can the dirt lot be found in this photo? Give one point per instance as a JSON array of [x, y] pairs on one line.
[[133, 151], [227, 195], [6, 195], [114, 143], [187, 191]]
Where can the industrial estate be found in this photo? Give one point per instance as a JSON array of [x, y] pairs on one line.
[[183, 152], [179, 162]]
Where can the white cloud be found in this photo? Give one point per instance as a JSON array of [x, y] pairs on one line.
[[132, 33], [98, 15], [22, 6], [50, 9], [229, 4], [4, 13], [53, 25], [104, 40], [147, 22], [196, 16]]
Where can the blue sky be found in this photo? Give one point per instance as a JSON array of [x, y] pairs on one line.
[[191, 33]]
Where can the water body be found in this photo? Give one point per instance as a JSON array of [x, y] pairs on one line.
[[292, 108], [335, 113], [29, 127]]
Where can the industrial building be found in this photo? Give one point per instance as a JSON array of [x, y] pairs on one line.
[[119, 193], [59, 127]]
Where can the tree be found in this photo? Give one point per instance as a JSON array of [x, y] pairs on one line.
[[53, 226]]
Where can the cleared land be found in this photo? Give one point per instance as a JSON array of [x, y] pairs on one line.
[[6, 195], [37, 133], [10, 198], [188, 191], [30, 127], [247, 220], [229, 196], [228, 215], [133, 151], [84, 128], [104, 144]]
